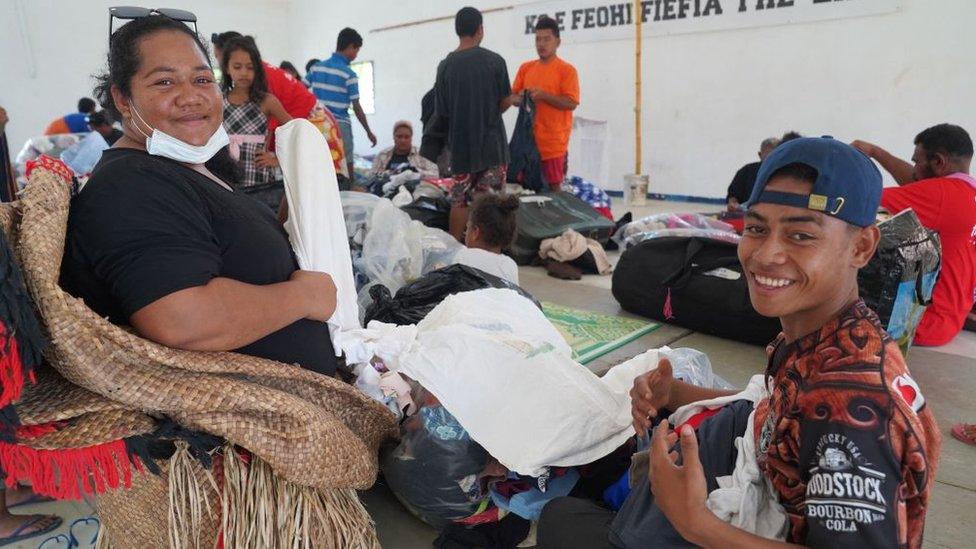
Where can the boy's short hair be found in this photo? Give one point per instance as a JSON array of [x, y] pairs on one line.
[[348, 37], [86, 105], [100, 118], [467, 21], [947, 139], [547, 23]]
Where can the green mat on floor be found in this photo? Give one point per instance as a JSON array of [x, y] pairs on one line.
[[593, 335]]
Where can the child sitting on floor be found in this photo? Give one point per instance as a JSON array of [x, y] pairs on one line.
[[491, 228]]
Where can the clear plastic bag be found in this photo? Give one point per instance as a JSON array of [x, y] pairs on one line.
[[653, 226], [659, 222], [356, 210], [693, 367], [398, 250]]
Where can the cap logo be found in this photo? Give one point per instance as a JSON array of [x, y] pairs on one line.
[[817, 202]]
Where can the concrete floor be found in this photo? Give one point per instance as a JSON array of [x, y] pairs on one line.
[[946, 375]]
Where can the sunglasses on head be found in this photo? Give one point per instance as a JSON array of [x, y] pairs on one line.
[[135, 12]]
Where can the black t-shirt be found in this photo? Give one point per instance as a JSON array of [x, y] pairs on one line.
[[470, 86], [743, 182], [145, 227], [396, 160]]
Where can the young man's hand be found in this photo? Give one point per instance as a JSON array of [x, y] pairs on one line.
[[371, 136], [515, 99], [679, 490], [539, 95], [651, 392]]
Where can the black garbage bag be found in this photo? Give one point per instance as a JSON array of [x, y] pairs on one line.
[[413, 301], [432, 212], [897, 283], [436, 470]]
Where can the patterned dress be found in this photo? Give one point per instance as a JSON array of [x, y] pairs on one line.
[[247, 127]]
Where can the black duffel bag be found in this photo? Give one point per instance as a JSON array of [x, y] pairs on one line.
[[693, 282]]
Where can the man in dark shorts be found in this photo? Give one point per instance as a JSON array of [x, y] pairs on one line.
[[471, 93], [844, 445]]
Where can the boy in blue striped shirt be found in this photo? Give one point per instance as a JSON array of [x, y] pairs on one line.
[[336, 87]]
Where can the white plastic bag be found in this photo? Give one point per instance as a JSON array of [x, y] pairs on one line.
[[398, 250]]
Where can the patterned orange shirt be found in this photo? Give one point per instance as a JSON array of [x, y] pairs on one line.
[[846, 438]]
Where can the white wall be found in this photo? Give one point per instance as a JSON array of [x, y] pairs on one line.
[[710, 98], [69, 43]]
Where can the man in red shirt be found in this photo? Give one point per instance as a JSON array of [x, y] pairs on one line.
[[294, 96], [943, 194]]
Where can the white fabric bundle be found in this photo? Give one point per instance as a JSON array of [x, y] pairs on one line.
[[499, 366], [746, 499], [315, 223]]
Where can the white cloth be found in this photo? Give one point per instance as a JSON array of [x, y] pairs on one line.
[[495, 362], [745, 499], [499, 265], [315, 223]]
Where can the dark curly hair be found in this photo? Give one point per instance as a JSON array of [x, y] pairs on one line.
[[259, 88], [494, 215], [124, 62]]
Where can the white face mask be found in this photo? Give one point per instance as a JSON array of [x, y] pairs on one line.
[[162, 144]]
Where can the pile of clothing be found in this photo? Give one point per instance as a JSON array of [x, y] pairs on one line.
[[479, 360], [571, 255], [590, 193]]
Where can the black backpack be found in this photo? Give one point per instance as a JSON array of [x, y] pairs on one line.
[[693, 282]]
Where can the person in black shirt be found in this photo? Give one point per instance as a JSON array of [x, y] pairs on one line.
[[745, 178], [160, 239], [472, 91], [101, 122]]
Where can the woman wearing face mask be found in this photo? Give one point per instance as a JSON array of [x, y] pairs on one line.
[[159, 238], [247, 107]]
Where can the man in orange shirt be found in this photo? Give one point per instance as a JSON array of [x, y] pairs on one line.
[[553, 85]]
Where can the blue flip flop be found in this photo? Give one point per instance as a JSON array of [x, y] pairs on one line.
[[19, 536]]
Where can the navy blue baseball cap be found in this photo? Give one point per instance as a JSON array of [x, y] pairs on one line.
[[848, 184]]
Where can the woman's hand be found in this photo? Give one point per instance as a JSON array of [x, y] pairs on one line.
[[320, 291], [651, 392]]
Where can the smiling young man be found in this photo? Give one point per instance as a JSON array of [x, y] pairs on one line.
[[554, 86], [843, 439]]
